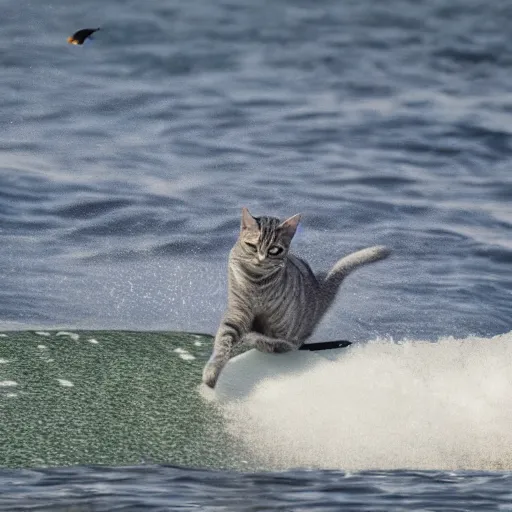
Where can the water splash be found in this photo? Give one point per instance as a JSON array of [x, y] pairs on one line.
[[444, 405]]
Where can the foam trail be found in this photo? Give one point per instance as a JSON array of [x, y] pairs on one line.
[[444, 405]]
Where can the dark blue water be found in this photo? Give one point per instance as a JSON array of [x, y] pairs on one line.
[[168, 489], [125, 163]]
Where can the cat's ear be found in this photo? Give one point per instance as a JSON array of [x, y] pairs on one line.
[[248, 221], [290, 225]]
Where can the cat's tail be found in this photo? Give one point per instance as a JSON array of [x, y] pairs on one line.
[[332, 281]]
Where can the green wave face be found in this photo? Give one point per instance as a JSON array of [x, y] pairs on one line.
[[115, 398]]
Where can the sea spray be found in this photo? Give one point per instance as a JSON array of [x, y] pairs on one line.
[[382, 404]]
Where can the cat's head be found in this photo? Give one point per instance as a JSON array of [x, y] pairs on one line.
[[264, 241]]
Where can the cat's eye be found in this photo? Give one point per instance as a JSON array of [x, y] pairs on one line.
[[275, 250], [251, 246]]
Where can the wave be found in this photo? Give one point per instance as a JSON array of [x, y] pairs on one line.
[[385, 405]]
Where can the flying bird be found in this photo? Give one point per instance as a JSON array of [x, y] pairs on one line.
[[81, 35]]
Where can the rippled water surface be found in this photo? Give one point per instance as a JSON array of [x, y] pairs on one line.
[[169, 489], [124, 163]]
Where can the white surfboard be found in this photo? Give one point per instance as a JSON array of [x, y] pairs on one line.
[[244, 372]]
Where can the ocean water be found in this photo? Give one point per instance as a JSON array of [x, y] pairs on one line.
[[124, 164]]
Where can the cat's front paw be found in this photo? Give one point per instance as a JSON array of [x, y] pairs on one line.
[[211, 374]]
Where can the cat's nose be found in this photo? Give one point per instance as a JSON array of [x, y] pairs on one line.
[[261, 257]]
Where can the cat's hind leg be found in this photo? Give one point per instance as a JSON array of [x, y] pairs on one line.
[[267, 344]]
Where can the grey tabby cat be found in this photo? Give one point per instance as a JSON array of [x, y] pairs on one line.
[[274, 299]]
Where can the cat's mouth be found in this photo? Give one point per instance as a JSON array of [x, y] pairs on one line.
[[264, 262], [267, 265]]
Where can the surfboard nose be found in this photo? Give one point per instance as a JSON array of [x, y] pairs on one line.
[[245, 372]]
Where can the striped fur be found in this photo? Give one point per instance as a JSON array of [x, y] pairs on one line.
[[274, 300]]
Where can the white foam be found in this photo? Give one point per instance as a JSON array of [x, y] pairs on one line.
[[8, 384], [93, 341], [206, 392], [3, 361], [72, 335], [184, 354], [42, 347], [43, 333], [444, 405], [2, 335], [65, 383], [197, 343]]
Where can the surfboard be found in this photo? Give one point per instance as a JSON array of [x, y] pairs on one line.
[[247, 370], [325, 345]]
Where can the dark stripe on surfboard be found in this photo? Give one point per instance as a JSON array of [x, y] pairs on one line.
[[325, 345]]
